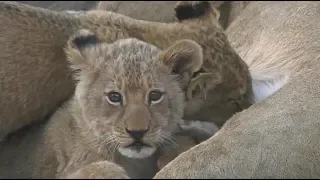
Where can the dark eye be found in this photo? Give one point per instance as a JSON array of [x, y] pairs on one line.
[[114, 97], [155, 96]]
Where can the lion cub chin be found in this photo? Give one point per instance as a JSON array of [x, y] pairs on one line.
[[128, 96]]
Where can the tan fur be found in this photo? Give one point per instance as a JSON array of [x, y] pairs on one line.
[[159, 11], [229, 10], [209, 112], [98, 171], [213, 11], [86, 136], [183, 143], [278, 137], [188, 134], [162, 11], [43, 81]]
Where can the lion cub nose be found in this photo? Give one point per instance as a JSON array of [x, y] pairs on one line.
[[137, 134]]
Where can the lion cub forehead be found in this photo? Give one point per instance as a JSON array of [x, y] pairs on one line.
[[125, 53], [131, 64]]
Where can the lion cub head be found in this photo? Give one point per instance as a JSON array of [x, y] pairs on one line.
[[130, 92]]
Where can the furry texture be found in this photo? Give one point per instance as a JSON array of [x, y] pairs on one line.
[[279, 136], [39, 83], [162, 11], [264, 84], [286, 112], [91, 130]]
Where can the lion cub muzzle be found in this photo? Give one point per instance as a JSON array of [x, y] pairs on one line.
[[137, 127], [137, 124], [137, 136]]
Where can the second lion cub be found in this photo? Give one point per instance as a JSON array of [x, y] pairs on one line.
[[128, 101]]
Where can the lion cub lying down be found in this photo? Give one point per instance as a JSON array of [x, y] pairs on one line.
[[127, 102]]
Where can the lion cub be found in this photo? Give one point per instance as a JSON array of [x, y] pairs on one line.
[[218, 90], [128, 101]]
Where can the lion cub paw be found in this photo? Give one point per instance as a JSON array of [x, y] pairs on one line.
[[99, 170]]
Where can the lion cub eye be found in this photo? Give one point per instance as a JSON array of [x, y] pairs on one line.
[[155, 96], [114, 97]]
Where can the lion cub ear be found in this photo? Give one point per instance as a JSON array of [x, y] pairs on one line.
[[76, 49], [185, 56]]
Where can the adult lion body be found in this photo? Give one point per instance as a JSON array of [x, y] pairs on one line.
[[278, 137]]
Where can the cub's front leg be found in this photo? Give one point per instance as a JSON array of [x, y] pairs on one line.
[[99, 170]]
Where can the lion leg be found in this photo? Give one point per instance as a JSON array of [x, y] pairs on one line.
[[99, 170]]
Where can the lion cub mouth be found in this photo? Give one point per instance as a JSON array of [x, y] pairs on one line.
[[137, 145], [137, 149]]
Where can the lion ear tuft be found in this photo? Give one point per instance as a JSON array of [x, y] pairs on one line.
[[82, 39], [76, 47]]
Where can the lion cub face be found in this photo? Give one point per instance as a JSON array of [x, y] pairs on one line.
[[129, 91]]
